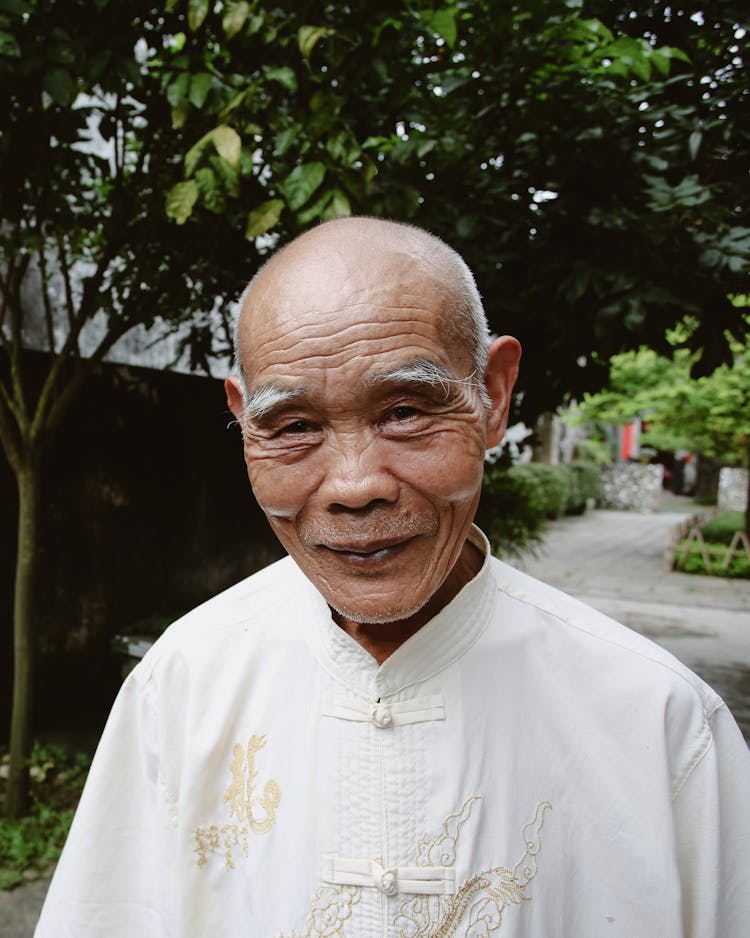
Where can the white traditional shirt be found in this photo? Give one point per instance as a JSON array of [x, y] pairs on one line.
[[522, 765]]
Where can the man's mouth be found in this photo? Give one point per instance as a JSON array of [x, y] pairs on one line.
[[365, 552]]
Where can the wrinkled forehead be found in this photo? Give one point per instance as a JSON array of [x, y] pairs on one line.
[[344, 284]]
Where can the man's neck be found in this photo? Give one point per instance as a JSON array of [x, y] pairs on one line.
[[381, 639]]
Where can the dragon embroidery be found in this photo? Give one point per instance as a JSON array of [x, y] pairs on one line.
[[474, 911]]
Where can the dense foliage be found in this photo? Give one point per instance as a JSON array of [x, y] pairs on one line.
[[589, 159], [31, 845], [518, 501]]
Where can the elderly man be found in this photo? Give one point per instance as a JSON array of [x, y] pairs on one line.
[[390, 733]]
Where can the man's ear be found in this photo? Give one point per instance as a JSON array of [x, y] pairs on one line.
[[235, 400], [502, 370]]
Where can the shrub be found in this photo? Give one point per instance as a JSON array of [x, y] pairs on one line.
[[31, 844], [584, 483], [555, 486], [722, 528], [511, 509], [518, 500]]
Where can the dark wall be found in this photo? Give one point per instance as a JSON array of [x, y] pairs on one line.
[[146, 512]]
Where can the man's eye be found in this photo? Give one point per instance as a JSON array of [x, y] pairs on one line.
[[403, 413], [296, 428]]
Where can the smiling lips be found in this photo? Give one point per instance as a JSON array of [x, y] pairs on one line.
[[364, 553]]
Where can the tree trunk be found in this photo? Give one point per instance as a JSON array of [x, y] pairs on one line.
[[23, 630]]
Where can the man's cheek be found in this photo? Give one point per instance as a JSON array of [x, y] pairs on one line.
[[278, 497]]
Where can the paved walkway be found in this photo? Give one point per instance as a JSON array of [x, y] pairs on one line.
[[613, 560]]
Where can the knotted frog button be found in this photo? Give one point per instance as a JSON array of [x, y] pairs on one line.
[[380, 715], [388, 884]]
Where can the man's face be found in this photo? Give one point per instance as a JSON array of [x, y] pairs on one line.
[[369, 477]]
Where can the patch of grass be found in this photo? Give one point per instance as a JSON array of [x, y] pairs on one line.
[[722, 528], [30, 845], [739, 566]]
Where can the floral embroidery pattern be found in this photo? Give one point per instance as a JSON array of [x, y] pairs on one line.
[[330, 909], [478, 906], [253, 813]]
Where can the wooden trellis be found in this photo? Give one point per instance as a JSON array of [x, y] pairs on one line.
[[694, 543]]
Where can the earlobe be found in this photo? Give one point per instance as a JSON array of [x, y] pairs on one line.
[[499, 378], [235, 400]]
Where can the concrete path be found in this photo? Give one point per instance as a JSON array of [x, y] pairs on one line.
[[614, 560]]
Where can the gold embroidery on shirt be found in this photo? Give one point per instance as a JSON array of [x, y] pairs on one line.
[[329, 911], [239, 796], [478, 906], [475, 910], [243, 805]]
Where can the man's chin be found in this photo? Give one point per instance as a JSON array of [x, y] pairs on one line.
[[383, 614]]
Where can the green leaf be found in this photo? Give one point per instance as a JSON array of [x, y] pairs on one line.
[[255, 23], [178, 89], [316, 209], [694, 143], [181, 199], [200, 85], [442, 22], [16, 7], [282, 74], [300, 184], [193, 155], [180, 114], [675, 53], [197, 12], [641, 68], [285, 138], [234, 18], [264, 218], [60, 86], [307, 36], [228, 144], [660, 62], [211, 194], [338, 207], [226, 175], [8, 46], [170, 5]]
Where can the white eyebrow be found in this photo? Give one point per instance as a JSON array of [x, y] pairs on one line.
[[426, 372], [419, 371], [260, 402]]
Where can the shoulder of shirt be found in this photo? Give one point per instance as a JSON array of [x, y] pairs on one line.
[[622, 643], [250, 604]]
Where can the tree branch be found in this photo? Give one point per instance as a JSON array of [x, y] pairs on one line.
[[84, 367], [46, 300], [16, 340], [62, 255], [10, 434]]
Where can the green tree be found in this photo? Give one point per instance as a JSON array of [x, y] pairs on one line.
[[87, 151], [709, 415], [589, 159]]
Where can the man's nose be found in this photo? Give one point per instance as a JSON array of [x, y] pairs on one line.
[[356, 474]]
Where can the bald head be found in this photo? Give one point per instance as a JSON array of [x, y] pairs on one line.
[[360, 259]]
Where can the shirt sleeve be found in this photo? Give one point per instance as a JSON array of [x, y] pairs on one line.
[[114, 877], [712, 817]]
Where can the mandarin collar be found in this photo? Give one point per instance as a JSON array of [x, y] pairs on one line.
[[438, 644]]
